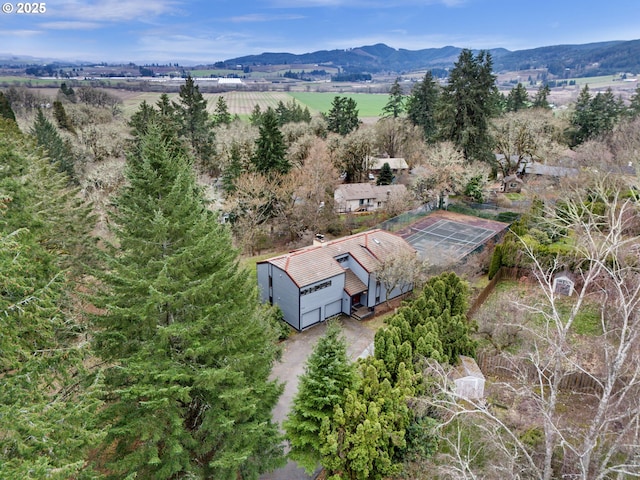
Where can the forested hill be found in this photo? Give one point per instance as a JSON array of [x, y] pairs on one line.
[[581, 60]]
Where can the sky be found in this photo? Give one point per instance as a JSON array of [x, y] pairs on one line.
[[190, 32]]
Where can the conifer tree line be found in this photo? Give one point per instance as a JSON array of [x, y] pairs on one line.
[[128, 360], [360, 420]]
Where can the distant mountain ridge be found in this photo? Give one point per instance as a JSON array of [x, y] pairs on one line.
[[590, 59]]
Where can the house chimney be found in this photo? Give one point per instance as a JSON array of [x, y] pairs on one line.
[[318, 240]]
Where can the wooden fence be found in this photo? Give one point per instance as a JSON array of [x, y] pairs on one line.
[[524, 370], [504, 273]]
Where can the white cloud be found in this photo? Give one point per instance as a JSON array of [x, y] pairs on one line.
[[256, 17], [20, 33], [70, 25], [111, 10]]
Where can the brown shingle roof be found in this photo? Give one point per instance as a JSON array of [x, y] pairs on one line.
[[313, 264], [352, 284]]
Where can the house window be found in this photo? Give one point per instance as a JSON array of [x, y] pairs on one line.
[[315, 288], [342, 259], [361, 201]]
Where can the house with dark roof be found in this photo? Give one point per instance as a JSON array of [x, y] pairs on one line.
[[326, 279]]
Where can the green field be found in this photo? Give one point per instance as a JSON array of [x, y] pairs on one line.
[[27, 81], [242, 103], [369, 104]]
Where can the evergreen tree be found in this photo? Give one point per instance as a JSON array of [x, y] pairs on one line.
[[221, 115], [233, 169], [594, 116], [395, 106], [634, 107], [270, 157], [386, 175], [518, 99], [421, 106], [5, 108], [328, 372], [194, 122], [59, 150], [189, 348], [256, 116], [541, 98], [342, 118], [47, 404], [467, 104], [60, 114], [365, 437]]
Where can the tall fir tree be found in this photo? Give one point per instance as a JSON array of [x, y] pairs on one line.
[[59, 151], [5, 108], [541, 100], [518, 99], [190, 350], [60, 114], [221, 115], [421, 106], [467, 104], [342, 118], [194, 123], [386, 175], [594, 116], [328, 372], [270, 157], [634, 106], [395, 105], [47, 405]]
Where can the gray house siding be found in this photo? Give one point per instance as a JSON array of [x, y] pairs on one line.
[[381, 292], [262, 270], [320, 299], [285, 295]]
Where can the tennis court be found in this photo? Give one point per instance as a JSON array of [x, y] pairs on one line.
[[444, 239]]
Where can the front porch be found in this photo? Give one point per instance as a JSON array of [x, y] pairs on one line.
[[360, 312]]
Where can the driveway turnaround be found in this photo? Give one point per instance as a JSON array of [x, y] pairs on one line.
[[294, 356]]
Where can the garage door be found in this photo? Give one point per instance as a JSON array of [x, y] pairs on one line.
[[333, 308], [310, 318]]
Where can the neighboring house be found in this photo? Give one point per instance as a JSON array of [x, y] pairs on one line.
[[329, 278], [468, 379], [364, 197], [398, 165], [535, 168]]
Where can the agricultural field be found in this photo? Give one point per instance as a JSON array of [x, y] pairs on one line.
[[369, 104], [242, 103], [28, 81]]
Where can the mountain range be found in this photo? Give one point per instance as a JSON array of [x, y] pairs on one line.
[[590, 59]]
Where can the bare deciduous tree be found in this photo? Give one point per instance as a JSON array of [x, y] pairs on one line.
[[403, 270], [600, 439]]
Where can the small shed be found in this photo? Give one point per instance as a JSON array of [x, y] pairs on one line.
[[512, 184], [563, 284], [468, 379]]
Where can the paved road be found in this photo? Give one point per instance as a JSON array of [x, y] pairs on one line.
[[296, 350]]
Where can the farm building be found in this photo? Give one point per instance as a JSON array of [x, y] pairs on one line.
[[364, 197], [329, 278]]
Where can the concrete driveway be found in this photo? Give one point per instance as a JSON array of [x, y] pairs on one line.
[[296, 350]]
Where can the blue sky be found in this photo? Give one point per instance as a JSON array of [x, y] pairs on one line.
[[208, 31]]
